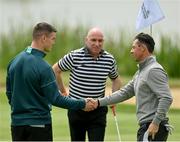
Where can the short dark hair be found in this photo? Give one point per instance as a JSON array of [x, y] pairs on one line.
[[42, 28], [147, 40]]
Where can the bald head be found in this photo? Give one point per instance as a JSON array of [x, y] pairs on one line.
[[95, 31], [94, 41]]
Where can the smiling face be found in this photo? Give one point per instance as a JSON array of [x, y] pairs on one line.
[[94, 41], [142, 47], [138, 50]]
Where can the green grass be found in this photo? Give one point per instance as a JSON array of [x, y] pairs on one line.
[[2, 78], [125, 115]]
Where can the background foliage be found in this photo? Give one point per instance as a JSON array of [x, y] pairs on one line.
[[168, 52]]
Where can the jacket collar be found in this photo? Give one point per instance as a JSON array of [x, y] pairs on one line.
[[35, 52], [146, 62]]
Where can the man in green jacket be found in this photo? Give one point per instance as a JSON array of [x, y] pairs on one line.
[[150, 87], [31, 89]]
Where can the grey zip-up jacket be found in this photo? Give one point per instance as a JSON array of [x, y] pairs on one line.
[[150, 87]]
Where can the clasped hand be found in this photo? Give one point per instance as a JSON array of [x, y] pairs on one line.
[[91, 104]]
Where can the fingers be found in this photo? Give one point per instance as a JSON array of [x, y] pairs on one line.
[[153, 129], [112, 106], [91, 104], [153, 136]]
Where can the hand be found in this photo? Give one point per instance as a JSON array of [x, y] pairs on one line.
[[91, 104], [112, 106], [153, 129], [63, 93]]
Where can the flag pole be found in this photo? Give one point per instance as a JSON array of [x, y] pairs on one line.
[[151, 29]]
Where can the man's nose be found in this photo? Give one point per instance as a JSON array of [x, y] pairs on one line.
[[97, 43]]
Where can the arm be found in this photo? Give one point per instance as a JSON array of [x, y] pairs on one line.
[[53, 96], [58, 75], [116, 84], [119, 96], [64, 64], [113, 75], [158, 82]]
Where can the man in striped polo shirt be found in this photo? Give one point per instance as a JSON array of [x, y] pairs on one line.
[[89, 67]]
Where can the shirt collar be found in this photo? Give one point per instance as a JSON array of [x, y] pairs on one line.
[[86, 51]]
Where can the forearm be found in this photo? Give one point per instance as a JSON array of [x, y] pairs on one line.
[[118, 96], [69, 103], [61, 85], [116, 84], [55, 98], [163, 107], [59, 79]]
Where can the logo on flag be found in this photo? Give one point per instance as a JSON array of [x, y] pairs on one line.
[[149, 13], [145, 13]]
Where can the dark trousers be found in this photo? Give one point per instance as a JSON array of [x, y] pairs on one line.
[[161, 135], [93, 122], [29, 133]]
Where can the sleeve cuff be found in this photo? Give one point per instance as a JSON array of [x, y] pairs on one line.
[[156, 121]]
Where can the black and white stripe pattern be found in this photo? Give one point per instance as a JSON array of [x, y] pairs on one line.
[[88, 76]]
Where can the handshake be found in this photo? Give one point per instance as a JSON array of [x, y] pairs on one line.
[[91, 104]]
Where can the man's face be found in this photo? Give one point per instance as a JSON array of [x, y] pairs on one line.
[[137, 50], [94, 42], [49, 40]]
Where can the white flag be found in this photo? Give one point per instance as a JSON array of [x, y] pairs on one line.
[[149, 13]]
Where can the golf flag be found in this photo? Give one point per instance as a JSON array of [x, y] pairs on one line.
[[149, 13]]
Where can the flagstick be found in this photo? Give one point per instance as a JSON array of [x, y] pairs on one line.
[[151, 29]]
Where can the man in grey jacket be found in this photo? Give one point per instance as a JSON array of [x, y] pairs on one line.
[[150, 87]]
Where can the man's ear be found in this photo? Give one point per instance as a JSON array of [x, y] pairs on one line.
[[142, 49]]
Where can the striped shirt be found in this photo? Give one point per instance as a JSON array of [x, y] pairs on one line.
[[88, 75]]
